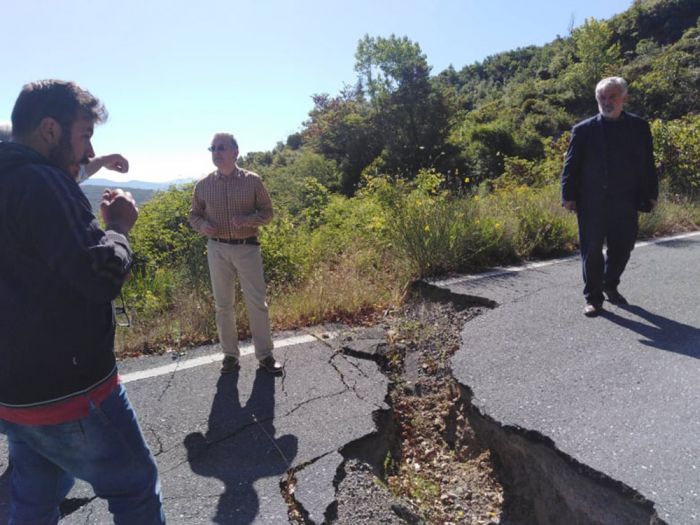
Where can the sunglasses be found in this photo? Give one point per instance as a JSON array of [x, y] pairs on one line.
[[220, 147]]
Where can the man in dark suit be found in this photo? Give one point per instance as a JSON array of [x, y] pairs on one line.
[[608, 177]]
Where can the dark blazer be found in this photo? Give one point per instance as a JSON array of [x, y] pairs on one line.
[[585, 173]]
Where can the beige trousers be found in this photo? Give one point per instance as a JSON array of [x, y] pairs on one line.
[[225, 262]]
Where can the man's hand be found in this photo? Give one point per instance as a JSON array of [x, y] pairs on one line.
[[114, 162], [569, 205], [119, 211], [240, 221], [208, 229]]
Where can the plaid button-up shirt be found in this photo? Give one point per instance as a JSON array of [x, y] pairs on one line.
[[218, 198]]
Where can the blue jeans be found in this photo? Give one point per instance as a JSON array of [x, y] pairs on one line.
[[106, 449]]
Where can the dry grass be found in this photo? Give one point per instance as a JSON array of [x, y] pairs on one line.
[[353, 290], [189, 322], [672, 215]]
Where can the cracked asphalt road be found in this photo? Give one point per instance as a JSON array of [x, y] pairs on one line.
[[620, 392], [224, 443]]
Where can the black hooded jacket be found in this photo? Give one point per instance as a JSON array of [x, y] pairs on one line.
[[59, 273]]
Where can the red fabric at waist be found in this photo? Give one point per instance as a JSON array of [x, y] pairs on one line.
[[71, 409]]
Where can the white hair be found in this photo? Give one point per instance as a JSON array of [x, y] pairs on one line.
[[228, 136], [612, 81], [5, 131]]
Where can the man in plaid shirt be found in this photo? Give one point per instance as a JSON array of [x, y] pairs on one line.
[[228, 206]]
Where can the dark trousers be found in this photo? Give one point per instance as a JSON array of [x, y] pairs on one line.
[[611, 220]]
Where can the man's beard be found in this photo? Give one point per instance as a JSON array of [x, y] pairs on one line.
[[62, 154], [607, 110], [62, 157]]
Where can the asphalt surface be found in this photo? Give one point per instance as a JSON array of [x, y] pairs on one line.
[[224, 443], [620, 392]]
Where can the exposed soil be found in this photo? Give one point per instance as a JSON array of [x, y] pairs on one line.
[[437, 472]]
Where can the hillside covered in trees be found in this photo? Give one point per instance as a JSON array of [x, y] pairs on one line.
[[465, 123]]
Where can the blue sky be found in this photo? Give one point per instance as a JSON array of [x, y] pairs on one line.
[[173, 73]]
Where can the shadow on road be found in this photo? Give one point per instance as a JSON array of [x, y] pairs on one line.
[[240, 446], [658, 331], [677, 243]]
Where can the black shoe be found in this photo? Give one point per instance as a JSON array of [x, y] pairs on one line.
[[230, 364], [269, 364], [592, 310], [614, 296]]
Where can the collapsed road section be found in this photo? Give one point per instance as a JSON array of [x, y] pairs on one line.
[[614, 398]]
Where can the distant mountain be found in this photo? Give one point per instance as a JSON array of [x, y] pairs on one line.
[[94, 193], [136, 184]]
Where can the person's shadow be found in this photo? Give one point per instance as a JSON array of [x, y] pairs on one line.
[[240, 446], [658, 331]]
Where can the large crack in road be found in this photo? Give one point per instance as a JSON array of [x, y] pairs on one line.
[[540, 484]]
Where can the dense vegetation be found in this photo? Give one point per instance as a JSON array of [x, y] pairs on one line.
[[408, 174]]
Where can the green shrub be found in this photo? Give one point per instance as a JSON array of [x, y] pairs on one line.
[[535, 173], [163, 238], [150, 294], [346, 223], [539, 226], [677, 151], [431, 229], [284, 251]]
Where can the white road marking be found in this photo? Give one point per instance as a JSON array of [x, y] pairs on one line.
[[213, 358], [505, 270]]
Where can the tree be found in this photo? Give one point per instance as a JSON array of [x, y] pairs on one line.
[[596, 58], [670, 85], [294, 185], [342, 129], [409, 113]]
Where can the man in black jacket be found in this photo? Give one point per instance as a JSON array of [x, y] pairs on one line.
[[608, 176], [62, 407]]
